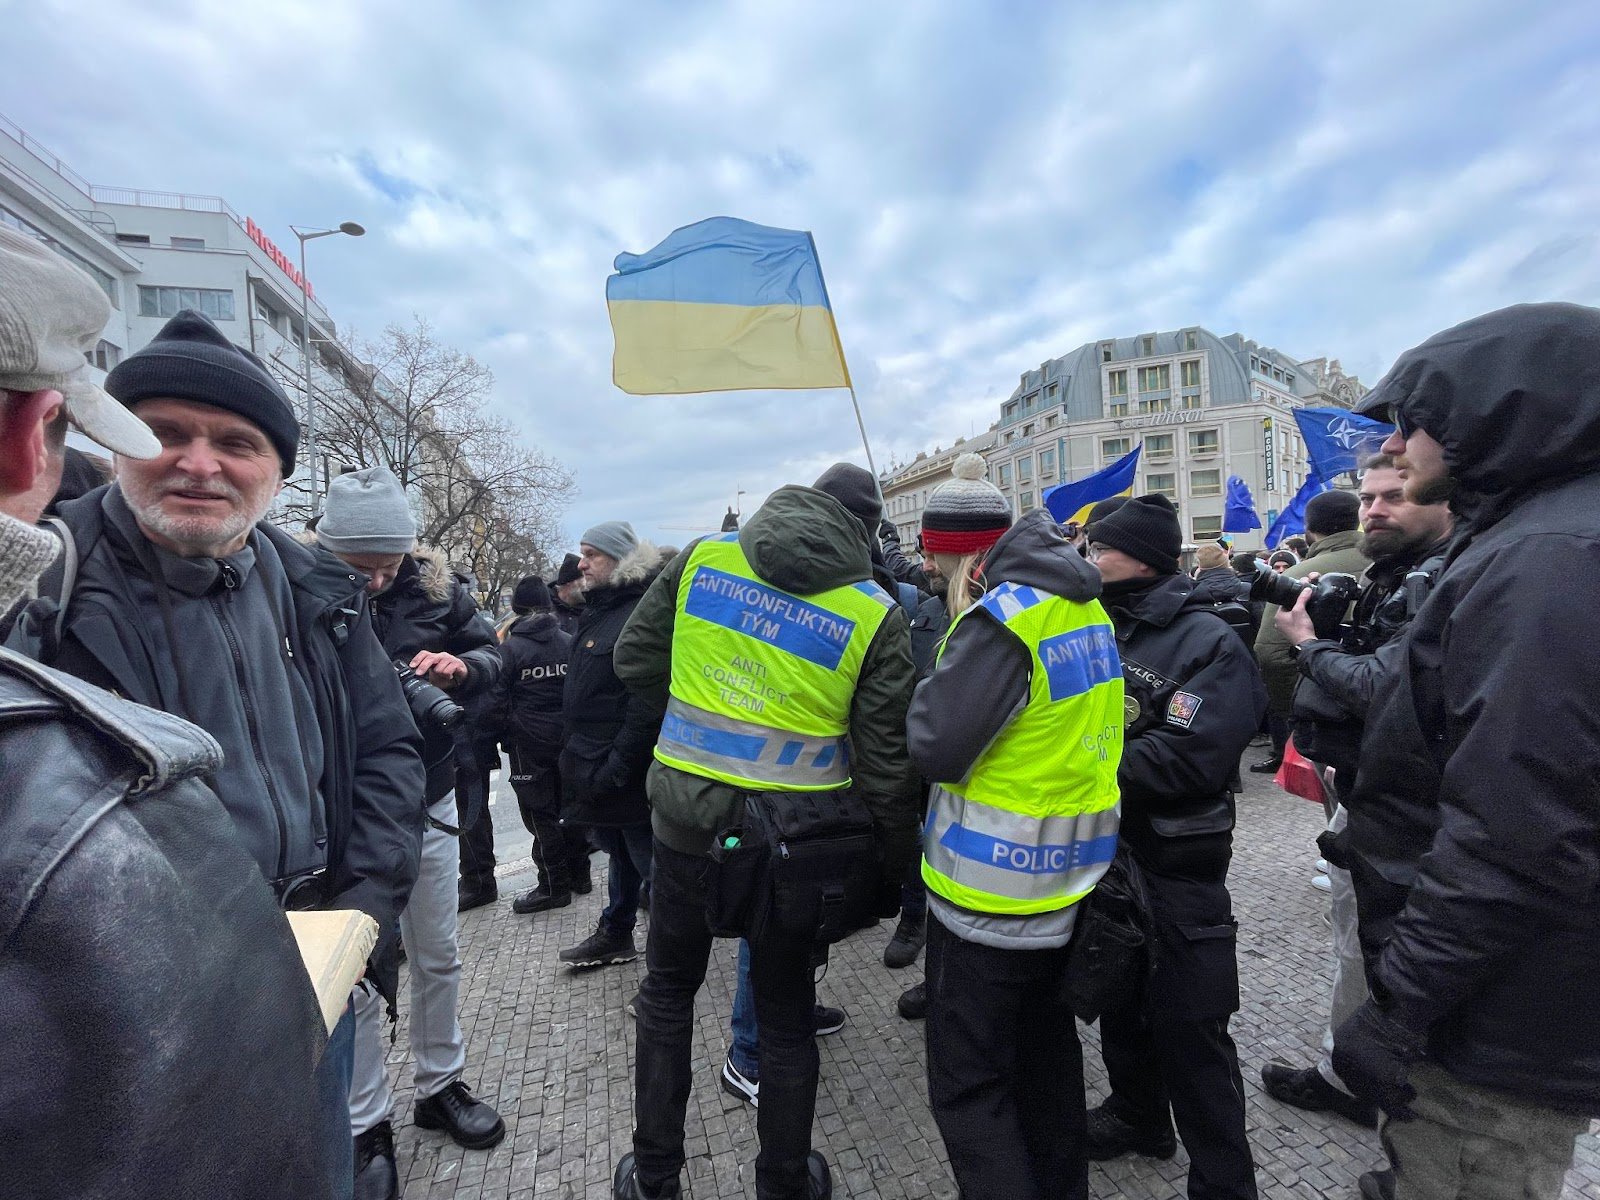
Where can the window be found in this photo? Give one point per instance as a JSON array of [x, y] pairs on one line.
[[1189, 372], [1164, 482], [104, 355], [1158, 445], [1025, 469], [1027, 430], [1277, 374], [1117, 383], [1025, 502], [1255, 363], [1047, 462], [1155, 404], [1205, 483], [1010, 410], [1190, 340], [1003, 475], [133, 239], [1111, 448], [1203, 441], [1288, 378], [1051, 392], [166, 301], [1155, 379], [188, 243], [1050, 421], [1149, 344], [1105, 352], [1207, 529], [1120, 410]]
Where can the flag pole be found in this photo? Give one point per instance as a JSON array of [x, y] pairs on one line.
[[877, 484]]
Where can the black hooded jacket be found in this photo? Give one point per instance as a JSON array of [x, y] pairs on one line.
[[1194, 700], [525, 707], [1474, 821]]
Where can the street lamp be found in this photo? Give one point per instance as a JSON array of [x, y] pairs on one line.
[[305, 235]]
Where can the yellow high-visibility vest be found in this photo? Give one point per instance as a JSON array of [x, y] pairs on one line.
[[762, 679], [1033, 826]]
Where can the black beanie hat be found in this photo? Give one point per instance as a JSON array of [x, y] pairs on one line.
[[1104, 509], [852, 487], [191, 359], [569, 572], [530, 593], [1145, 528], [1332, 512]]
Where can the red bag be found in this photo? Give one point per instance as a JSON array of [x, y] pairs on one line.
[[1299, 777]]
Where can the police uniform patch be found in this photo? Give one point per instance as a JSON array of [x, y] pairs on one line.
[[1130, 710], [1182, 708]]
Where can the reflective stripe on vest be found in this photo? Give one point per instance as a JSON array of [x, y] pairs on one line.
[[762, 679], [1034, 824]]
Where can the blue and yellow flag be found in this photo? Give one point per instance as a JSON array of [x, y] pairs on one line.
[[1070, 502], [724, 305]]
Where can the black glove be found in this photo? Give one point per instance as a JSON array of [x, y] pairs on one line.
[[888, 533], [1373, 1054]]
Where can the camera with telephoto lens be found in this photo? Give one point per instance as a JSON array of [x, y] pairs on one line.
[[1331, 596], [430, 707]]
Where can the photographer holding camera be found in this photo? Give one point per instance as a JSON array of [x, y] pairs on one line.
[[1340, 674], [432, 630], [1331, 520]]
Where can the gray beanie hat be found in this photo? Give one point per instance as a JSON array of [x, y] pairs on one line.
[[615, 538], [366, 513]]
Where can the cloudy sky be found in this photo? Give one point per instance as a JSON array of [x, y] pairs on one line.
[[990, 184]]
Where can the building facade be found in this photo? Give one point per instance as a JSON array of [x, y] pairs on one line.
[[154, 253], [1202, 407], [906, 488]]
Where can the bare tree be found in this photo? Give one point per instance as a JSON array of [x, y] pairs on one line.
[[421, 408]]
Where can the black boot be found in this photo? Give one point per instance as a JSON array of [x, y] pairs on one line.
[[626, 1185], [1109, 1136], [469, 1121], [907, 941], [539, 900], [470, 894], [376, 1175], [602, 948], [913, 1004]]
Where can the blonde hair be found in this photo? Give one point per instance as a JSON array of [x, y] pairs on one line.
[[962, 572]]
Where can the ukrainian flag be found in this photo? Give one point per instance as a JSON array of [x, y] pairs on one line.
[[724, 305], [1069, 502]]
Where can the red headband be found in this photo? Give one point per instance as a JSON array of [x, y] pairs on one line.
[[965, 541]]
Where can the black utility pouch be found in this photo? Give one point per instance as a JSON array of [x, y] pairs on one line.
[[738, 883], [823, 869], [1111, 955]]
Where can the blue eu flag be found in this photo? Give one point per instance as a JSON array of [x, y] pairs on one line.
[[1239, 509]]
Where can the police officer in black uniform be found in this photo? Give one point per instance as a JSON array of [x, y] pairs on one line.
[[1194, 698]]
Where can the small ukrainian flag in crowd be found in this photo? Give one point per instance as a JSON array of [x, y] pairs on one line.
[[724, 305], [1069, 502]]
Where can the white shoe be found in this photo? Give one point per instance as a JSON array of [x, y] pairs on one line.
[[735, 1084], [1322, 866], [1322, 883]]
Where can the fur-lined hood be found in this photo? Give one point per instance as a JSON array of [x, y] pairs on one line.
[[640, 565], [434, 574]]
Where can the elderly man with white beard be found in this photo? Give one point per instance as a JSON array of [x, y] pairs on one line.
[[181, 598]]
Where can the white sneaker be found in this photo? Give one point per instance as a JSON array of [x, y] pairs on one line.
[[735, 1084], [1322, 883], [1322, 866]]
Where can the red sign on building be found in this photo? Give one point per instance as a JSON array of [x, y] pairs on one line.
[[279, 258]]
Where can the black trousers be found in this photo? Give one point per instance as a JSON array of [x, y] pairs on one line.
[[780, 976], [1005, 1070], [560, 852], [473, 789], [1176, 1061]]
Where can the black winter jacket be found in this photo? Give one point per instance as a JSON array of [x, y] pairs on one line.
[[1475, 823], [525, 707], [1193, 699], [429, 608], [145, 969], [372, 771], [1230, 595], [609, 732]]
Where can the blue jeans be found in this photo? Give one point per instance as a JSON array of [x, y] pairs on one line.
[[333, 1092], [629, 848], [746, 1049]]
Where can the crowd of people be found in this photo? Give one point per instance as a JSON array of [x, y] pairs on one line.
[[785, 733]]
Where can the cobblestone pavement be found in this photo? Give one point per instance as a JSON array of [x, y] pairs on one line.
[[553, 1050]]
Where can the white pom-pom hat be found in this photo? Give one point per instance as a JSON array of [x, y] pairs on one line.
[[967, 514]]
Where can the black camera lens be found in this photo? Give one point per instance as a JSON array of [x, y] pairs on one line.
[[1274, 588], [430, 707]]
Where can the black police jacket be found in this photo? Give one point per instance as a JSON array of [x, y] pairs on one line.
[[427, 607], [525, 706], [1193, 700], [145, 970]]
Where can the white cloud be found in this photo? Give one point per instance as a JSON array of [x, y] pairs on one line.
[[989, 185]]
